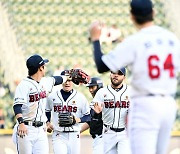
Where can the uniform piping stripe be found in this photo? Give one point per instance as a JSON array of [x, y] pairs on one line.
[[52, 85], [120, 101], [114, 107], [59, 96], [17, 140], [72, 96]]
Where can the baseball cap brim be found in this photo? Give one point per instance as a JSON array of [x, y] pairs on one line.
[[123, 72], [44, 61], [90, 85]]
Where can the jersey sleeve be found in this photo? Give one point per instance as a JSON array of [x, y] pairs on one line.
[[49, 105], [21, 92], [48, 83], [115, 60]]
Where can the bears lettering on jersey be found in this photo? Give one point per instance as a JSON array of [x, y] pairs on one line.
[[37, 96], [112, 104], [60, 108]]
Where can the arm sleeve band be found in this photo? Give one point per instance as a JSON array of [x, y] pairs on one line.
[[85, 118], [20, 120], [58, 80], [17, 109], [101, 67], [48, 115]]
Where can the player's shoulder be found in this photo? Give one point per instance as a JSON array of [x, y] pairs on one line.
[[102, 90], [78, 94], [126, 87], [24, 86], [25, 82], [170, 34], [45, 80]]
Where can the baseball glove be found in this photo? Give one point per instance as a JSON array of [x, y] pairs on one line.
[[79, 76], [66, 119]]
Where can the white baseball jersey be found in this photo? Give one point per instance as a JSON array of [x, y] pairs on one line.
[[76, 103], [33, 96], [115, 108], [115, 105], [153, 55]]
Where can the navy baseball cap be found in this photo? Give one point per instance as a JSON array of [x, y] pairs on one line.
[[35, 61], [141, 7], [65, 72], [123, 71]]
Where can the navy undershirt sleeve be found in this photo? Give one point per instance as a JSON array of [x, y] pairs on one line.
[[58, 80], [48, 115], [85, 118], [17, 109], [101, 67]]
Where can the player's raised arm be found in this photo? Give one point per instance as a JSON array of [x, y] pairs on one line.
[[95, 33]]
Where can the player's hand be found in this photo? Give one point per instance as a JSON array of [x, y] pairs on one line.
[[22, 130], [95, 30], [49, 127], [98, 107]]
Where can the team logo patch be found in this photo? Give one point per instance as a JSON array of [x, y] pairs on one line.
[[18, 99], [127, 98]]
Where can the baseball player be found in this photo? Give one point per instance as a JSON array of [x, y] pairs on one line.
[[66, 140], [96, 123], [113, 101], [153, 56], [29, 133]]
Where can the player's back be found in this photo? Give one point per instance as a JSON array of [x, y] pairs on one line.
[[156, 61]]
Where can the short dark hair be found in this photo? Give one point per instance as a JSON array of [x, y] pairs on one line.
[[143, 19], [32, 71]]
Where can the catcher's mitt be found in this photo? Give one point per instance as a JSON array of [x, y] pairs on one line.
[[66, 119], [78, 76]]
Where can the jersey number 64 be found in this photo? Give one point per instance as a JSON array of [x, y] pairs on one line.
[[154, 69]]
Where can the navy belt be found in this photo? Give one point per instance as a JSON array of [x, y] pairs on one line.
[[115, 129], [34, 123]]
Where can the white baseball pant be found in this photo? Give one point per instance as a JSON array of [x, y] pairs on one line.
[[150, 122], [35, 142]]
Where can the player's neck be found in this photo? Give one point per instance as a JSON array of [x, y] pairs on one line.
[[145, 25], [117, 88], [36, 77]]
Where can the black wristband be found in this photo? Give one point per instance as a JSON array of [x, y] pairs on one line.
[[20, 120]]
